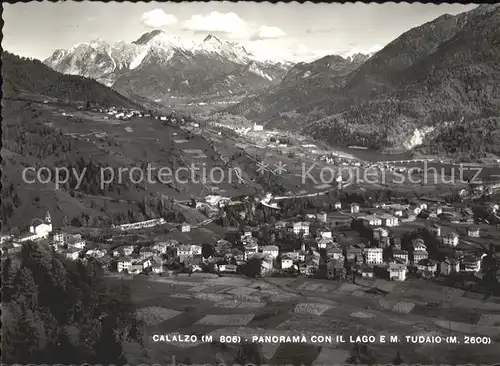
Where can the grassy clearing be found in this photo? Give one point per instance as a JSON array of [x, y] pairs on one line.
[[311, 308], [362, 315], [155, 315], [227, 320]]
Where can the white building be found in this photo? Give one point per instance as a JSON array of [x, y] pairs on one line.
[[374, 255], [128, 249], [257, 127], [301, 226], [470, 264], [473, 232], [73, 254], [389, 220], [450, 239], [354, 208], [327, 234], [337, 205], [271, 250], [185, 227], [38, 230], [397, 272], [286, 262]]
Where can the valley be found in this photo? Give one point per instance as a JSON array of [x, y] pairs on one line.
[[219, 190]]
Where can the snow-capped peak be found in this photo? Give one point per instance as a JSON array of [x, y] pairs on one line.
[[212, 39]]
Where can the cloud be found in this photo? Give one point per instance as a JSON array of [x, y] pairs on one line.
[[215, 22], [320, 30], [354, 49], [157, 18], [265, 32]]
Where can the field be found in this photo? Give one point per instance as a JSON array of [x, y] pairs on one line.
[[284, 307]]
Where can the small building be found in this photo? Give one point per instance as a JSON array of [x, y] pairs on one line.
[[301, 226], [473, 232], [324, 242], [228, 268], [335, 269], [337, 205], [436, 229], [417, 244], [397, 272], [321, 216], [380, 232], [286, 262], [271, 250], [427, 265], [470, 263], [157, 268], [400, 254], [335, 253], [389, 220], [354, 208], [135, 269], [367, 272], [123, 264], [185, 227], [73, 253], [372, 220], [449, 266], [419, 255], [450, 239], [257, 127], [354, 253], [280, 225], [128, 250], [327, 234], [249, 251]]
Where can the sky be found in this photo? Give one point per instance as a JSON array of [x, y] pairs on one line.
[[292, 31]]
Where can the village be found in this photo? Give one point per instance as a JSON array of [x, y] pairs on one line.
[[393, 241]]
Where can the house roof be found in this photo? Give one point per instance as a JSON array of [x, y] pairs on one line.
[[397, 267], [420, 252], [270, 248]]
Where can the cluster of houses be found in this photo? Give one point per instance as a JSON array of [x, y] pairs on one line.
[[334, 159], [384, 253], [121, 113]]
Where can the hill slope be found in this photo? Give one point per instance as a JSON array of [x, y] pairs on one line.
[[441, 71], [32, 76]]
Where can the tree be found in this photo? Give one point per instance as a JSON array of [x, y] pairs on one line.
[[62, 312], [249, 353], [207, 250], [253, 267], [397, 360]]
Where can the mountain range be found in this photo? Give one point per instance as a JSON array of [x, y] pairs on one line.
[[158, 65], [443, 71]]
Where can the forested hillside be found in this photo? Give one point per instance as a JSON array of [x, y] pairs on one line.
[[28, 75], [59, 312], [443, 71]]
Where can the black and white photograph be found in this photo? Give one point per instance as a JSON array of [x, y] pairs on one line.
[[250, 183]]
